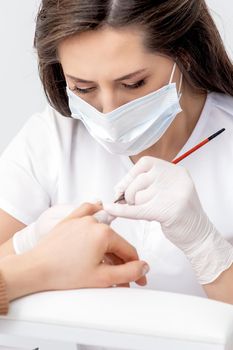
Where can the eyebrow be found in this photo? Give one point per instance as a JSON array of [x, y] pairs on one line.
[[128, 76]]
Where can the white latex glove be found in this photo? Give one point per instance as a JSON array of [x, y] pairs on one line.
[[28, 237], [158, 190]]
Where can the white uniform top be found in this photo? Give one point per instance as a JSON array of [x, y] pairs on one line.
[[53, 160]]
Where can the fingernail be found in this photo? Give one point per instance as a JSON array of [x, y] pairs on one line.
[[103, 217], [145, 269], [95, 200]]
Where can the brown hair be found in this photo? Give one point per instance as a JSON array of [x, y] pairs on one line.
[[181, 29]]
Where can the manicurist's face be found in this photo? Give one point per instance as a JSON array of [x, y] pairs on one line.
[[108, 67]]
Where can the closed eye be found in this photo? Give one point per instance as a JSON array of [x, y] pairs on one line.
[[136, 85], [82, 91]]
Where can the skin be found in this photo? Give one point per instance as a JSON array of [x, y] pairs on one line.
[[77, 241], [118, 53]]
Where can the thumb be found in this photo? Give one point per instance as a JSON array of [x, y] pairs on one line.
[[129, 272]]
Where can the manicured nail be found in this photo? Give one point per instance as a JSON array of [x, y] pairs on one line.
[[96, 200], [145, 269]]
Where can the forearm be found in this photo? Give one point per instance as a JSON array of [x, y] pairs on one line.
[[222, 288], [23, 275], [6, 249]]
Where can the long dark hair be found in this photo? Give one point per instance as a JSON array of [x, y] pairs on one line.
[[182, 29]]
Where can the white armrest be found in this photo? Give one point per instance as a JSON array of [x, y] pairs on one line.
[[134, 318]]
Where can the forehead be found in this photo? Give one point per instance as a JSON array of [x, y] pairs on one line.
[[108, 41], [105, 50]]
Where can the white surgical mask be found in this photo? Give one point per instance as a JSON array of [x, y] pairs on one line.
[[134, 126]]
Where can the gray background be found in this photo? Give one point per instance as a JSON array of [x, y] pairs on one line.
[[21, 94]]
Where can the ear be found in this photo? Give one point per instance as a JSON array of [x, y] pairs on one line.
[[183, 60]]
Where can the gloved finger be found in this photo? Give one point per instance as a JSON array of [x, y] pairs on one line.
[[118, 274], [125, 210], [86, 209], [145, 196], [142, 166], [141, 182]]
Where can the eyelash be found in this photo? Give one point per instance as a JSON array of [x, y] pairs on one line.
[[137, 85]]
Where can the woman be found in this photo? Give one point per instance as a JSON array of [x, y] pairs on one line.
[[127, 80]]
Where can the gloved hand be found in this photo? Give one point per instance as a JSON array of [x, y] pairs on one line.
[[158, 190], [28, 237]]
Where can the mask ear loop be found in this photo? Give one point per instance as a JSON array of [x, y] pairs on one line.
[[180, 86], [181, 80], [173, 72]]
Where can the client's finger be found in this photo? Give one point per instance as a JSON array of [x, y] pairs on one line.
[[124, 250], [112, 259], [121, 274], [120, 247], [86, 209]]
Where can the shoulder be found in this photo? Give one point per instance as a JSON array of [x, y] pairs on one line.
[[42, 131], [37, 146], [223, 104], [219, 114], [45, 122]]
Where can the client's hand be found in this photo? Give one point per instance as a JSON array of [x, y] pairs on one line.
[[28, 237], [71, 257]]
